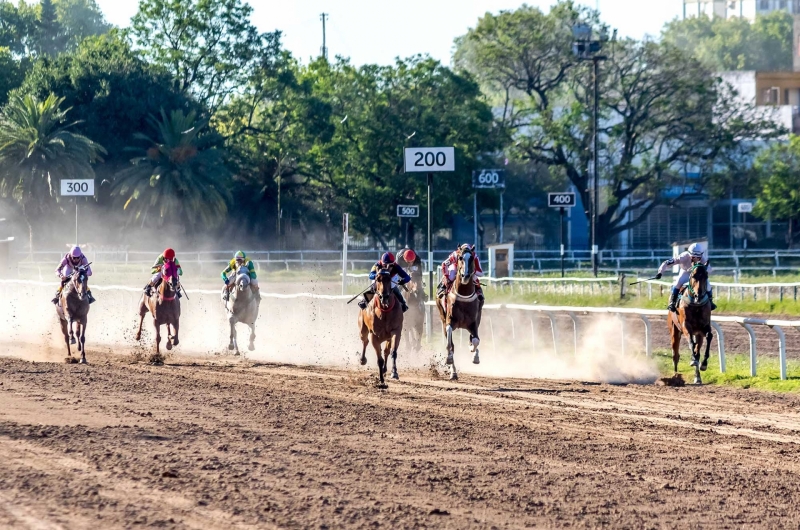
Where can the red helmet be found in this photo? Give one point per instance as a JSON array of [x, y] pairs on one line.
[[409, 255], [169, 254], [387, 258]]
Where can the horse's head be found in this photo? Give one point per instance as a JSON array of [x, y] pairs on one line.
[[698, 279], [466, 265], [383, 287], [242, 278], [169, 273], [78, 281]]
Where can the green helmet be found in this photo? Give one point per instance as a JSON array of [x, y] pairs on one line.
[[239, 255]]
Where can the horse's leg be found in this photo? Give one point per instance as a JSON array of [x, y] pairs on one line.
[[71, 331], [474, 343], [387, 350], [450, 347], [709, 336], [141, 322], [395, 345], [232, 344], [66, 337], [365, 339], [698, 346], [176, 326], [158, 336], [168, 342], [693, 348], [376, 344], [83, 343], [675, 336], [252, 345]]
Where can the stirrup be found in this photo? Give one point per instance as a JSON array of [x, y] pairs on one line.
[[178, 294], [362, 304], [55, 300], [148, 290], [91, 298], [405, 307]]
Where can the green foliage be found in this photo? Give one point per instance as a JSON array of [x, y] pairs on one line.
[[779, 169], [12, 73], [80, 19], [178, 180], [735, 43], [51, 39], [209, 46], [17, 26], [37, 149], [110, 88], [661, 110]]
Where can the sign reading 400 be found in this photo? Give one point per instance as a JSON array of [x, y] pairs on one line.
[[489, 178], [429, 159]]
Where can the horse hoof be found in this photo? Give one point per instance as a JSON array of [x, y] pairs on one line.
[[449, 359], [236, 354], [175, 341], [476, 359], [169, 345], [698, 381], [704, 367], [454, 376], [395, 376], [138, 338], [83, 361], [251, 347], [72, 340], [230, 346], [693, 363], [363, 361]]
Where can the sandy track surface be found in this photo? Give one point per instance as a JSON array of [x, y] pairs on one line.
[[204, 445]]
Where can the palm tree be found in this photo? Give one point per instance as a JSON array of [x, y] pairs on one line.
[[180, 178], [37, 149]]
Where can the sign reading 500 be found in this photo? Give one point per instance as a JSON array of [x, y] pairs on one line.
[[429, 159]]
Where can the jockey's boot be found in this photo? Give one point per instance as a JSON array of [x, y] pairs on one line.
[[256, 292], [148, 289], [479, 290], [673, 300], [399, 295], [441, 289], [178, 294], [57, 296], [362, 303], [226, 293], [90, 297], [711, 300]]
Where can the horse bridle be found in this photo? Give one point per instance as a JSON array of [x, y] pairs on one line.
[[691, 275]]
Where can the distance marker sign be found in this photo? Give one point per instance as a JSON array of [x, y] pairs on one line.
[[77, 187], [429, 159], [561, 200], [407, 210], [489, 178]]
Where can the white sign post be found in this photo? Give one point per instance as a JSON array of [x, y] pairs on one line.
[[429, 160], [77, 188]]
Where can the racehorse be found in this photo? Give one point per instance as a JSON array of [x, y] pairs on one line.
[[693, 319], [461, 308], [242, 306], [382, 324], [165, 307], [414, 319], [72, 308]]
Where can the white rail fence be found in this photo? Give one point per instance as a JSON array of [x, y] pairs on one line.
[[498, 311]]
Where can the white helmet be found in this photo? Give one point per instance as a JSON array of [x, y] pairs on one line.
[[697, 250]]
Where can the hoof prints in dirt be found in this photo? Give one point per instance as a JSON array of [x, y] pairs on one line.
[[675, 380]]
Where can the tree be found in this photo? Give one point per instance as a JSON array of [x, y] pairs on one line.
[[735, 43], [80, 19], [779, 198], [209, 46], [36, 150], [12, 73], [17, 27], [662, 112], [51, 38], [179, 180]]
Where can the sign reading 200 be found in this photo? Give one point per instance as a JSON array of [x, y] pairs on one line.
[[429, 159]]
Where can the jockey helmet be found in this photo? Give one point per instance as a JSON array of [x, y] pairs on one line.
[[696, 250], [409, 255], [75, 252], [169, 254], [239, 256], [387, 258]]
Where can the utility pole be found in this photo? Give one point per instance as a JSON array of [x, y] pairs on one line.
[[324, 17]]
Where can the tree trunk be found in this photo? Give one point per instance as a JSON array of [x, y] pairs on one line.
[[790, 235], [30, 230]]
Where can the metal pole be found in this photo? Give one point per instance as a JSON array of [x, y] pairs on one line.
[[76, 221], [501, 217], [595, 134], [430, 253], [346, 227], [475, 218], [561, 232]]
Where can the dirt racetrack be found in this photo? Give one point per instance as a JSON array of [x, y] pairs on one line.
[[217, 444]]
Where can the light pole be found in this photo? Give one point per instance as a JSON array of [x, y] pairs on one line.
[[587, 48]]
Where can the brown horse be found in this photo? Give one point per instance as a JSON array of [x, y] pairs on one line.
[[414, 319], [165, 307], [461, 308], [693, 320], [73, 308], [381, 323]]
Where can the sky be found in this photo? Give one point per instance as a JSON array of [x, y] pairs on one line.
[[374, 31]]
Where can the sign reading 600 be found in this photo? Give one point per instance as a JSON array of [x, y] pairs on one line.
[[489, 178]]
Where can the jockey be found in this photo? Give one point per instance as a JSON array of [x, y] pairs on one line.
[[167, 256], [696, 253], [450, 267], [72, 260], [240, 260], [411, 260], [387, 263]]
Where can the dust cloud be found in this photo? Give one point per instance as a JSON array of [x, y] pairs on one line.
[[308, 331]]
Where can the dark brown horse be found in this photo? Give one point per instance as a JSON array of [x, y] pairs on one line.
[[693, 320], [381, 323], [72, 309], [461, 308], [165, 307], [414, 319]]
